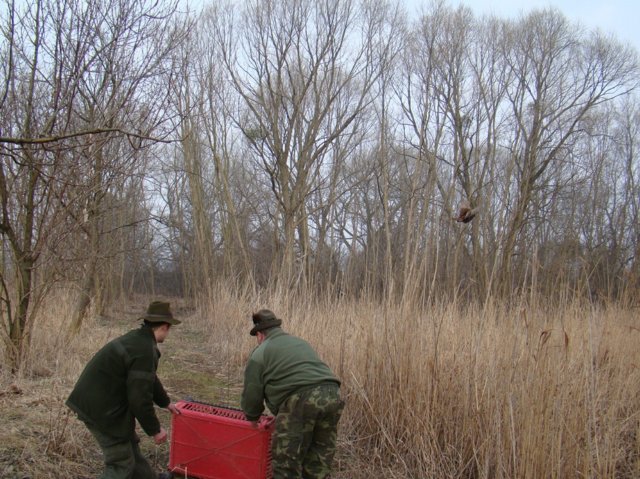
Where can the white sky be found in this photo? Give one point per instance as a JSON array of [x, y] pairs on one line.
[[618, 17]]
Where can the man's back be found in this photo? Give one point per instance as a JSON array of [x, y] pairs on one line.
[[117, 384], [281, 365]]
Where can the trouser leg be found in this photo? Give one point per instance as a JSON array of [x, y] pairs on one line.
[[143, 469], [290, 440], [304, 440], [122, 459], [319, 457]]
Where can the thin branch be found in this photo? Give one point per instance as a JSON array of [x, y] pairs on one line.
[[95, 131]]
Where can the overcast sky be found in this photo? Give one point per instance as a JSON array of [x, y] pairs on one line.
[[618, 17]]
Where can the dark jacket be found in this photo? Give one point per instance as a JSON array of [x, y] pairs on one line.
[[119, 385], [277, 368]]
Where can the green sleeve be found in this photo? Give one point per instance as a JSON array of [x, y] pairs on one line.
[[252, 401], [160, 396], [141, 380]]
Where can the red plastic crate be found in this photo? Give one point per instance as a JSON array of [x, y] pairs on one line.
[[213, 442]]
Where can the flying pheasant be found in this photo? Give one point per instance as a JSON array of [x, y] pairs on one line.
[[465, 213]]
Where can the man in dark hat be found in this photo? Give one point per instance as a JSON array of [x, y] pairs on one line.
[[118, 386], [301, 391]]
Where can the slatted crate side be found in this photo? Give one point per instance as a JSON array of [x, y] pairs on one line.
[[213, 442]]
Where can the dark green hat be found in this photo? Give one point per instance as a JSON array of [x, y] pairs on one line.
[[264, 319], [160, 312]]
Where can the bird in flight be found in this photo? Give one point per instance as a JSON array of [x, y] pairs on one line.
[[465, 213]]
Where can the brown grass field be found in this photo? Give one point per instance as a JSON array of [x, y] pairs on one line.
[[447, 392]]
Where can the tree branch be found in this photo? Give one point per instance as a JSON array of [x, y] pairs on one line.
[[95, 131]]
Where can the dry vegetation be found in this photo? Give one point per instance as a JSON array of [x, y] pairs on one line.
[[450, 391], [326, 147]]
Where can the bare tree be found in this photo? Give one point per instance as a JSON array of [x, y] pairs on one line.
[[134, 58], [75, 72], [559, 77], [304, 73]]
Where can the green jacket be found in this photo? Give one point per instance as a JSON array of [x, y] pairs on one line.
[[119, 385], [278, 367]]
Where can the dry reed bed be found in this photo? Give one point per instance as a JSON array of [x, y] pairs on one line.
[[439, 392], [489, 392]]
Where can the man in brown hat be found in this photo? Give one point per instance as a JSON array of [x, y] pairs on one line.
[[285, 372], [118, 386]]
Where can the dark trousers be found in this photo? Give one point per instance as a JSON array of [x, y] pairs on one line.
[[304, 441], [122, 459]]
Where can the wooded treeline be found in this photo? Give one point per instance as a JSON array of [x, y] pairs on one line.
[[320, 146]]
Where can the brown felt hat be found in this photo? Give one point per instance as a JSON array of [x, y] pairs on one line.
[[160, 312], [264, 319]]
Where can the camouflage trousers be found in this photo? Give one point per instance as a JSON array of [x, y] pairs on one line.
[[304, 440]]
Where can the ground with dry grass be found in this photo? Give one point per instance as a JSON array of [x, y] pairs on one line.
[[484, 392]]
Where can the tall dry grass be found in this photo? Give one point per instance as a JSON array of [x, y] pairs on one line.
[[454, 391], [448, 391]]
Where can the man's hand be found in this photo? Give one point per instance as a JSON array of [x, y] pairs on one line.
[[174, 410], [160, 437]]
